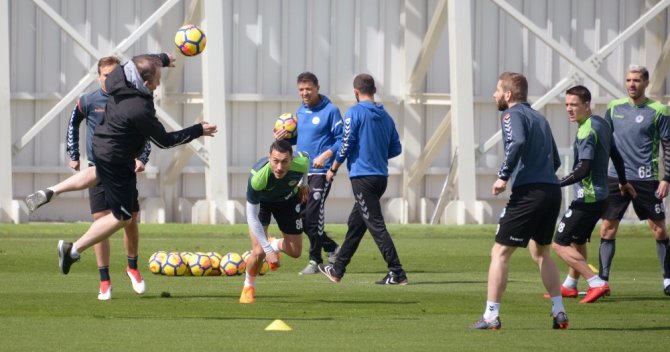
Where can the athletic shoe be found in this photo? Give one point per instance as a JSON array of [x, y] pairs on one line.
[[136, 280], [64, 259], [38, 199], [482, 324], [560, 321], [332, 256], [311, 268], [247, 295], [329, 271], [566, 292], [105, 293], [593, 293], [393, 279]]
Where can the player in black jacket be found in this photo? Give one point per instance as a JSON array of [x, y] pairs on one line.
[[130, 120]]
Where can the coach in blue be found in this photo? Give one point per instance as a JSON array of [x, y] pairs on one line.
[[370, 139], [641, 125], [319, 132], [531, 161]]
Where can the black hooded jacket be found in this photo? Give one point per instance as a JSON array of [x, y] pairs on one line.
[[129, 121]]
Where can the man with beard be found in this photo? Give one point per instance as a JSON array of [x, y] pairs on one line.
[[639, 124], [531, 161]]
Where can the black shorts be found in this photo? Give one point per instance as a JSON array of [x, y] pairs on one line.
[[96, 198], [530, 213], [286, 214], [646, 204], [119, 183], [578, 222]]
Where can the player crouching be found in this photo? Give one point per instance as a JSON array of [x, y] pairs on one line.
[[277, 185]]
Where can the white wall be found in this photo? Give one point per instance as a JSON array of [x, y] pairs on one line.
[[268, 42]]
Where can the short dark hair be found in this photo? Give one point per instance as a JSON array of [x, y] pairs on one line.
[[365, 84], [108, 61], [308, 77], [515, 83], [282, 146], [644, 73], [582, 92], [147, 66]]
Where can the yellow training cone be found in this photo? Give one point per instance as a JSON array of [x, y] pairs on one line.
[[593, 268], [278, 325]]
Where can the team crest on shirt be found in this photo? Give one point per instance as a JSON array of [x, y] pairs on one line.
[[292, 183], [315, 120], [639, 118], [316, 195]]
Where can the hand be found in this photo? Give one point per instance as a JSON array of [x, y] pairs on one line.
[[74, 165], [279, 133], [627, 188], [273, 260], [330, 176], [208, 129], [499, 186], [172, 60], [303, 193], [319, 161], [139, 166], [662, 190]]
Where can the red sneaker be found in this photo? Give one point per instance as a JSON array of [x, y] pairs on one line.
[[105, 293], [566, 292], [594, 293], [136, 280]]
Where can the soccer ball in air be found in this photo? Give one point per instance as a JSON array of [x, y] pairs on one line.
[[289, 122], [156, 262], [190, 40], [232, 264], [200, 264], [215, 259], [174, 265]]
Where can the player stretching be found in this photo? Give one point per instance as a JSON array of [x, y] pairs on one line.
[[531, 160], [277, 185], [639, 125], [592, 149]]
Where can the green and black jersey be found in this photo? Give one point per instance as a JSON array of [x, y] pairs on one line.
[[263, 187]]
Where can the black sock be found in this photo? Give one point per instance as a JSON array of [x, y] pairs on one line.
[[132, 262], [607, 249], [104, 273], [663, 258]]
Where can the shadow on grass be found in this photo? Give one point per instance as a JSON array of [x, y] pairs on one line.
[[445, 282], [651, 328]]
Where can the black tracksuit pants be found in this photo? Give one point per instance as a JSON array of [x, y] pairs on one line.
[[367, 215], [313, 218]]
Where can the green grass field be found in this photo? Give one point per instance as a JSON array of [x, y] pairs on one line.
[[41, 309]]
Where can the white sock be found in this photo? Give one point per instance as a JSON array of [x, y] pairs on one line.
[[492, 310], [74, 253], [595, 281], [249, 281], [557, 305], [666, 283], [276, 246], [570, 282]]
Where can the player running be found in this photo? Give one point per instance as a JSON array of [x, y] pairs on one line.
[[277, 186], [592, 150]]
